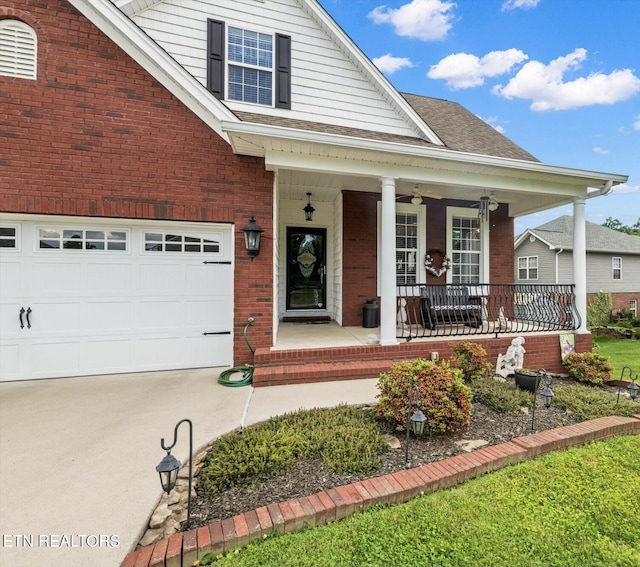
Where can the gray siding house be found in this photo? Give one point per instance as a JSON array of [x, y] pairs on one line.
[[545, 255]]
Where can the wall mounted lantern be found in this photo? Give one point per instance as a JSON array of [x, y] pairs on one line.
[[308, 210], [169, 466], [252, 233]]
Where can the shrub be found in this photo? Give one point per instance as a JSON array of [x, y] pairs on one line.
[[444, 397], [585, 403], [588, 367], [500, 396], [599, 310], [471, 358], [347, 439]]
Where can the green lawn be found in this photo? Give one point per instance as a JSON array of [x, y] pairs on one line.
[[578, 507], [620, 353]]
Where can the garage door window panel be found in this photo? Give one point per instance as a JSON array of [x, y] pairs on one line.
[[9, 237], [170, 242], [82, 239]]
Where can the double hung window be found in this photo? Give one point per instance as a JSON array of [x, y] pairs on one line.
[[616, 265], [248, 66], [528, 268]]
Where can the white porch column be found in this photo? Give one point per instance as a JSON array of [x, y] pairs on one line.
[[580, 261], [387, 269]]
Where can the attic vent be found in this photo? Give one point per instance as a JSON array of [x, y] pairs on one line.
[[18, 50], [532, 238]]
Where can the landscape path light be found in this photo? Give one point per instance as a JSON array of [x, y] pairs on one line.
[[632, 388], [169, 466], [547, 395], [416, 421]]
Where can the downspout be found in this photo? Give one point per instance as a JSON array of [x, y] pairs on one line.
[[557, 269]]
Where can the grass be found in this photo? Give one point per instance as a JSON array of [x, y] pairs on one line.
[[571, 508], [619, 353]]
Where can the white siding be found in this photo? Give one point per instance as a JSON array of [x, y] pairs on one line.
[[600, 273], [326, 86]]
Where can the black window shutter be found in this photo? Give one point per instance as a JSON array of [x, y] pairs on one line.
[[283, 71], [215, 58]]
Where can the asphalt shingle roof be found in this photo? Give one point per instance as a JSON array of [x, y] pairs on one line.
[[559, 233], [459, 129]]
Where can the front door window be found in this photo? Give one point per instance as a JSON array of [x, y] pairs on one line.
[[306, 268]]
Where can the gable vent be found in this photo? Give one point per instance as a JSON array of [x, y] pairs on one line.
[[18, 50]]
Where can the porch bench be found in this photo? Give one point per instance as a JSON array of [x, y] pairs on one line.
[[448, 305]]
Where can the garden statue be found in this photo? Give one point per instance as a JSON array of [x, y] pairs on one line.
[[513, 359], [402, 312]]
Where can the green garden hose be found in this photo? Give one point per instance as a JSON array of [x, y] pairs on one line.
[[246, 369]]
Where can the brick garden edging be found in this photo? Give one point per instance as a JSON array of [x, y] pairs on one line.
[[338, 503]]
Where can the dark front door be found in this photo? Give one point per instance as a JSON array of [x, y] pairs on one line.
[[306, 268]]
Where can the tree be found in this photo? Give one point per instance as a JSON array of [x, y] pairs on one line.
[[615, 224]]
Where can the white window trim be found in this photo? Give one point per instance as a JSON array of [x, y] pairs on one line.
[[484, 240], [230, 63], [28, 69], [614, 268], [528, 268], [421, 210], [18, 240]]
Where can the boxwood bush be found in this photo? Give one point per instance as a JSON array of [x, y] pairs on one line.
[[588, 367], [444, 397]]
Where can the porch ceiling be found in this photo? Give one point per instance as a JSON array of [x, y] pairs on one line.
[[325, 164]]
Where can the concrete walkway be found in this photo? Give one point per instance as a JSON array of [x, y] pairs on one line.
[[78, 455]]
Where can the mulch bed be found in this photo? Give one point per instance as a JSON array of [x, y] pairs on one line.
[[310, 476]]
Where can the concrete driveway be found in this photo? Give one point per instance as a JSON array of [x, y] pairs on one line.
[[78, 455]]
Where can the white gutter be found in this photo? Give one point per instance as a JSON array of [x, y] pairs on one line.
[[438, 153], [156, 61]]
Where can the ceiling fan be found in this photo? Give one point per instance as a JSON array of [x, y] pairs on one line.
[[418, 194]]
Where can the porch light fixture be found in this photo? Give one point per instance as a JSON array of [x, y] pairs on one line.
[[308, 210], [416, 421], [547, 395], [169, 466], [252, 233]]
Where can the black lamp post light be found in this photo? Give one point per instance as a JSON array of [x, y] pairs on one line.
[[169, 466], [547, 395], [252, 232], [416, 421], [631, 388]]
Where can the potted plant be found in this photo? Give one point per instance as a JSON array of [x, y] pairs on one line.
[[526, 379]]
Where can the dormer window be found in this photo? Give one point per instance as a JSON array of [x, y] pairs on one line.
[[248, 66]]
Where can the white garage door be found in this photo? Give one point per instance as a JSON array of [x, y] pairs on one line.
[[82, 296]]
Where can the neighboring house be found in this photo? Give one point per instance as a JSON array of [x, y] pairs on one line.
[[140, 137], [545, 255]]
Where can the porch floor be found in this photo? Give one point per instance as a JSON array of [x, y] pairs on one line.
[[322, 334]]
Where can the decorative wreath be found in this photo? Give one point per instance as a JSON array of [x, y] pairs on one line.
[[444, 265]]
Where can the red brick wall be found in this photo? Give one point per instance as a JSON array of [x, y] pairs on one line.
[[360, 247], [96, 135], [620, 300]]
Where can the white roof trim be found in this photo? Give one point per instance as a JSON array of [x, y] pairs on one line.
[[146, 52], [313, 8], [529, 232], [570, 175]]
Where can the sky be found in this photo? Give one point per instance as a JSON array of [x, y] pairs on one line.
[[560, 78]]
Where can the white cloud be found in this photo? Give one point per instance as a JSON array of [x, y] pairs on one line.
[[493, 122], [390, 64], [636, 122], [428, 20], [515, 4], [464, 70], [625, 188], [544, 86], [600, 151]]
